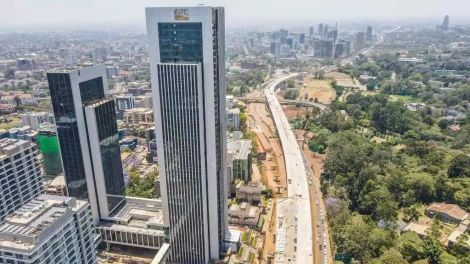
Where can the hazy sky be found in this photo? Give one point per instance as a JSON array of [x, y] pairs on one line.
[[63, 13]]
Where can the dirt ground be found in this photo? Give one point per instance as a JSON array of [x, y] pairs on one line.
[[317, 89], [342, 79], [293, 112], [273, 172]]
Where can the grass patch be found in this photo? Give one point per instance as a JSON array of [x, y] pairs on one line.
[[251, 257], [240, 253]]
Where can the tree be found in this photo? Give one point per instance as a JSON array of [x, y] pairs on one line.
[[459, 166], [433, 250], [412, 213], [411, 246], [443, 124], [291, 94], [391, 256]]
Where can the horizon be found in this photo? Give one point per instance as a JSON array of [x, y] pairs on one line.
[[107, 15]]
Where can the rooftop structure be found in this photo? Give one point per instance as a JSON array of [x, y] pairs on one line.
[[450, 213], [45, 226], [241, 150]]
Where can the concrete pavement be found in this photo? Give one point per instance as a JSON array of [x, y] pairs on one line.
[[294, 219]]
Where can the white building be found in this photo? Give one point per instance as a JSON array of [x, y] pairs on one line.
[[187, 66], [34, 119], [143, 101], [20, 175], [124, 102], [49, 229], [233, 119]]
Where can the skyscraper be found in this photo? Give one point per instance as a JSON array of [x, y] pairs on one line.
[[88, 137], [360, 40], [445, 23], [369, 34], [188, 80], [321, 29], [20, 175]]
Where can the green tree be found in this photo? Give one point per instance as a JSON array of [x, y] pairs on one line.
[[459, 166], [412, 213], [391, 256], [411, 246], [433, 250]]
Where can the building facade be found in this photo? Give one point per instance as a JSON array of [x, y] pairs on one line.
[[188, 81], [88, 137], [20, 175], [49, 148], [49, 229]]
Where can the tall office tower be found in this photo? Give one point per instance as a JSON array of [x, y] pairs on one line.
[[49, 229], [310, 32], [445, 23], [20, 175], [326, 31], [88, 137], [321, 29], [188, 80], [302, 38], [369, 34], [360, 40]]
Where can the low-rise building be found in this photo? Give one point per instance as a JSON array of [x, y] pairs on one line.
[[250, 192], [124, 102], [448, 213], [233, 119], [7, 109], [241, 150], [244, 214], [34, 119], [49, 229], [138, 116], [143, 101]]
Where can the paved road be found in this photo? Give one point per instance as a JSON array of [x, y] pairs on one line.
[[294, 219], [299, 102]]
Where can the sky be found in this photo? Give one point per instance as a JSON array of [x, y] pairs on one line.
[[55, 14]]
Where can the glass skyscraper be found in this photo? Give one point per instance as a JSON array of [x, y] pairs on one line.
[[87, 131], [188, 81]]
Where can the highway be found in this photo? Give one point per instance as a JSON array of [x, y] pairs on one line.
[[294, 218]]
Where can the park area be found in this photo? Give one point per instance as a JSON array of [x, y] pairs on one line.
[[317, 90]]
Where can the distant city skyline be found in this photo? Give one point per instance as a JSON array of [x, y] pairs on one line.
[[30, 14]]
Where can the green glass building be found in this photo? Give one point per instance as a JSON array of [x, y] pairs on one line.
[[49, 147]]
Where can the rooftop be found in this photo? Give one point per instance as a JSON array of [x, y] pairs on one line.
[[139, 212], [452, 210], [242, 148], [34, 221], [10, 146]]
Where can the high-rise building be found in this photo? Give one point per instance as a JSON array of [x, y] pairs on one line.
[[326, 31], [323, 48], [188, 80], [321, 29], [445, 23], [302, 38], [369, 34], [88, 137], [310, 32], [49, 229], [20, 175], [360, 40]]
